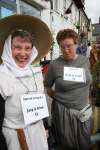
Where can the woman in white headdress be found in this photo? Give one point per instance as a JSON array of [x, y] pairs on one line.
[[20, 78], [21, 84]]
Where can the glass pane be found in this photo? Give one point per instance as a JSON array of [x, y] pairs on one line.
[[27, 9], [6, 12], [8, 0]]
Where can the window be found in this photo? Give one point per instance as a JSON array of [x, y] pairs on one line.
[[7, 1], [7, 8], [5, 12], [27, 9]]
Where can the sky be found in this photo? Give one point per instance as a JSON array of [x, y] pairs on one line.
[[92, 8]]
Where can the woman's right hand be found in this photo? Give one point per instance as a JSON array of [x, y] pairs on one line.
[[50, 92]]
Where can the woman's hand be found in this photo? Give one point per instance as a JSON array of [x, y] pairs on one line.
[[50, 92]]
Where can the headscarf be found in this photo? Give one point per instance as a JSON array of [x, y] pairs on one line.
[[9, 63]]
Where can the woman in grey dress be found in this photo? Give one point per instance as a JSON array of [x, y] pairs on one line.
[[71, 111]]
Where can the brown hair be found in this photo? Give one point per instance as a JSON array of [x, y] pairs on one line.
[[25, 35], [67, 33]]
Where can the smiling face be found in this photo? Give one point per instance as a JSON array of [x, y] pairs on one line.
[[68, 48], [21, 51]]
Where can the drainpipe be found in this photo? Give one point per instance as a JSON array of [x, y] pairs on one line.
[[79, 22], [79, 30], [18, 6], [51, 4], [51, 8]]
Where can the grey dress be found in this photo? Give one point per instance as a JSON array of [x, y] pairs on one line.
[[69, 98]]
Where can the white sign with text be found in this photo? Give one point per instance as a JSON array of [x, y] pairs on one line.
[[74, 74], [34, 107]]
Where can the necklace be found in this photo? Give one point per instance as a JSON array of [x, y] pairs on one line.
[[28, 90]]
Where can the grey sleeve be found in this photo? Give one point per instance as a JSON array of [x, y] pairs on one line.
[[49, 77]]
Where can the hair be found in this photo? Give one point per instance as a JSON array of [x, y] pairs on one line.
[[25, 35], [66, 34], [89, 44], [94, 47]]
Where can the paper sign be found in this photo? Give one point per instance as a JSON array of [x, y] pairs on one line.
[[74, 74], [34, 107]]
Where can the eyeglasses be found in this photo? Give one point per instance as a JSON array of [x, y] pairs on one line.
[[70, 46]]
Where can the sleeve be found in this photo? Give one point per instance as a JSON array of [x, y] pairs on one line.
[[2, 110], [49, 77]]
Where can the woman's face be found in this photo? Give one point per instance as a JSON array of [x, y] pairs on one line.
[[68, 48], [21, 51]]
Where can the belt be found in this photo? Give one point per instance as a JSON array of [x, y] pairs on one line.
[[83, 114]]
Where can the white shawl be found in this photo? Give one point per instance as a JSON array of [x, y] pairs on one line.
[[9, 63]]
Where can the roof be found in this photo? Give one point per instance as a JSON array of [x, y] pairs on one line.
[[79, 3]]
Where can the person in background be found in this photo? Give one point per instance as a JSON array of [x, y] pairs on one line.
[[71, 111], [96, 84], [45, 64], [93, 57], [93, 61], [79, 49], [84, 49], [88, 49], [20, 83]]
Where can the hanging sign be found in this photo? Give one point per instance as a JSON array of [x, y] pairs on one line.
[[34, 107]]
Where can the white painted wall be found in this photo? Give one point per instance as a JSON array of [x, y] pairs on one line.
[[61, 21], [42, 3]]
